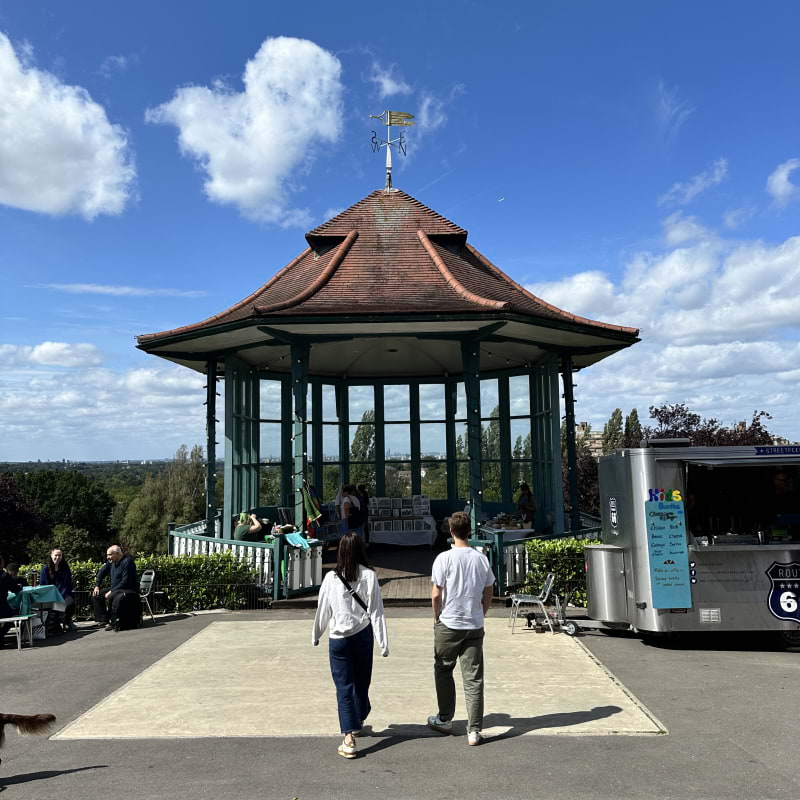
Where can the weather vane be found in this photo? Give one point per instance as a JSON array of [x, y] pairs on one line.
[[389, 118]]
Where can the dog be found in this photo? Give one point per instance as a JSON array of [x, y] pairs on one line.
[[33, 723]]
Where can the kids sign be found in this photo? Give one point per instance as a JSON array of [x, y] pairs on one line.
[[669, 557]]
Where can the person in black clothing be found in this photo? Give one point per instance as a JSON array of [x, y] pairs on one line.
[[124, 580], [7, 584], [56, 572], [363, 499]]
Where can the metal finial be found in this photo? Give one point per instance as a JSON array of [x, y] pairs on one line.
[[389, 118]]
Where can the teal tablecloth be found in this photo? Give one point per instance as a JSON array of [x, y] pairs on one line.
[[32, 597]]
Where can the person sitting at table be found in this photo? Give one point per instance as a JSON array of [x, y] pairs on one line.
[[56, 572], [13, 570], [526, 505], [7, 584], [248, 528], [122, 570]]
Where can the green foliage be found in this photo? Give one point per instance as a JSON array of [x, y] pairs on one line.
[[75, 542], [565, 558], [176, 495], [66, 497], [612, 432], [676, 420], [192, 583], [19, 520], [363, 449], [434, 481], [633, 430]]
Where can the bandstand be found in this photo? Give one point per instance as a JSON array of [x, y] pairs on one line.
[[391, 352]]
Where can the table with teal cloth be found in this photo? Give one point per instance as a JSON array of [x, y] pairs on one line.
[[32, 598]]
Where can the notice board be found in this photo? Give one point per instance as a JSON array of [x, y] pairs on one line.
[[669, 554]]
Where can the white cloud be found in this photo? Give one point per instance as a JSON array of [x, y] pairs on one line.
[[737, 216], [114, 64], [671, 111], [118, 291], [719, 323], [779, 185], [59, 154], [387, 81], [251, 144], [682, 193], [51, 354]]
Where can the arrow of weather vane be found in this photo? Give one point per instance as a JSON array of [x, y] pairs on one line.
[[400, 119]]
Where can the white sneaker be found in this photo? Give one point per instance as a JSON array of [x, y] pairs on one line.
[[474, 738], [438, 724]]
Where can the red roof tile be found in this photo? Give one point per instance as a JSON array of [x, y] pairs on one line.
[[388, 253]]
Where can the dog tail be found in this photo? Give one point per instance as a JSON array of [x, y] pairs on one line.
[[33, 723]]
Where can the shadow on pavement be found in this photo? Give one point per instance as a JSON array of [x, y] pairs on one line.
[[517, 726], [27, 777]]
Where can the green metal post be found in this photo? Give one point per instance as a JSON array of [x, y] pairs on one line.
[[380, 443], [450, 404], [572, 456], [300, 352], [316, 434], [416, 466], [554, 420], [211, 447], [504, 404], [500, 566], [343, 413], [470, 359], [231, 494], [287, 450]]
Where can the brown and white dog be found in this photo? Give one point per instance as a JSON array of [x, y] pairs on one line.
[[34, 723]]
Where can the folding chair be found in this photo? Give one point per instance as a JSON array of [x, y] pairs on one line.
[[146, 590], [539, 600], [285, 515]]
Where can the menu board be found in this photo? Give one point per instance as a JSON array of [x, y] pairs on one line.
[[669, 556]]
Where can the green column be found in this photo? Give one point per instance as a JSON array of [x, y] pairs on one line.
[[416, 477], [380, 443], [572, 457], [232, 473], [470, 359], [211, 446], [343, 414], [450, 404], [300, 353], [316, 434], [504, 403], [287, 448]]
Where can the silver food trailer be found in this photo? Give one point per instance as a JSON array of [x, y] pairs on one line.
[[698, 539]]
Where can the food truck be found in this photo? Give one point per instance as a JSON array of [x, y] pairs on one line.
[[698, 539]]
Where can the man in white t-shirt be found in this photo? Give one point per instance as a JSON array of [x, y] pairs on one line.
[[461, 595]]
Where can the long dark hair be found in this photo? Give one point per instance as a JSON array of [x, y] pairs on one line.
[[350, 554], [51, 565]]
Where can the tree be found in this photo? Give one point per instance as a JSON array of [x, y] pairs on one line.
[[612, 432], [75, 542], [19, 521], [176, 495], [676, 421], [633, 430], [587, 474], [363, 449], [66, 497]]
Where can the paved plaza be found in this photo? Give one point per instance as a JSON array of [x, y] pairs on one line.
[[240, 705]]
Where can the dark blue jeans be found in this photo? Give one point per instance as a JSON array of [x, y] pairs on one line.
[[351, 668]]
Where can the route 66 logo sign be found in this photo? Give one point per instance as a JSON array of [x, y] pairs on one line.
[[784, 595]]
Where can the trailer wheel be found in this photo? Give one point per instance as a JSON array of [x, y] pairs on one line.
[[571, 628], [789, 639]]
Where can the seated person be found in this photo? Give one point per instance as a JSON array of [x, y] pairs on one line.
[[7, 584], [124, 580], [56, 572], [248, 529], [13, 570], [526, 505]]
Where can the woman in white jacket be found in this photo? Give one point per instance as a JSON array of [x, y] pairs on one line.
[[350, 602]]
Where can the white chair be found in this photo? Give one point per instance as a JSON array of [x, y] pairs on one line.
[[18, 623], [536, 600], [146, 590]]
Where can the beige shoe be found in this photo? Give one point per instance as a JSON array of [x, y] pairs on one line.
[[347, 750]]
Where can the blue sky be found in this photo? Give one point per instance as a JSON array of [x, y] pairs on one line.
[[633, 162]]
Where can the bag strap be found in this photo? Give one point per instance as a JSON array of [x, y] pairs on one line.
[[353, 592]]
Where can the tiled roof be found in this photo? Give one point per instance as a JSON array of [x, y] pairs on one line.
[[388, 253]]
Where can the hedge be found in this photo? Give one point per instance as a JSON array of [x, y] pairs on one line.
[[191, 583], [565, 558]]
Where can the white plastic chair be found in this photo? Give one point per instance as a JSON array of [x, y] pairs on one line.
[[535, 600]]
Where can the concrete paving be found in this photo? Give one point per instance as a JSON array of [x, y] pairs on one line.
[[537, 684], [730, 705]]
